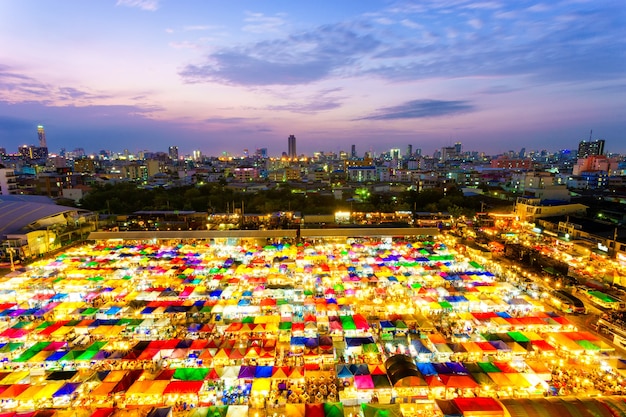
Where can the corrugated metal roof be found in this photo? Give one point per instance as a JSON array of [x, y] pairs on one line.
[[17, 212]]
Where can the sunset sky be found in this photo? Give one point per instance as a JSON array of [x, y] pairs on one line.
[[224, 76]]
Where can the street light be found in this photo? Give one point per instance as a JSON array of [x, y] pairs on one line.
[[11, 252]]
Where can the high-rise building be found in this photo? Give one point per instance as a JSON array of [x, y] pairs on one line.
[[586, 149], [261, 153], [458, 148], [42, 137], [173, 153], [197, 155], [291, 147], [353, 152], [409, 151], [394, 153]]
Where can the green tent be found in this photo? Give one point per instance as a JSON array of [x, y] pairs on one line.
[[284, 325], [488, 367], [476, 265], [518, 337], [482, 378], [400, 324], [45, 325], [381, 410], [587, 345], [370, 348], [191, 374], [25, 356], [11, 347], [90, 311], [347, 322], [445, 305], [333, 410], [97, 345], [72, 355], [87, 355]]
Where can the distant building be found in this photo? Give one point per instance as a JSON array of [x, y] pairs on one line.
[[291, 147], [531, 209], [586, 149], [32, 152], [447, 153], [85, 165], [595, 163], [261, 153], [8, 181], [505, 162], [245, 174], [173, 153], [362, 173], [41, 134]]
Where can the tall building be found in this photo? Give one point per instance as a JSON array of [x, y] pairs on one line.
[[42, 137], [586, 149], [291, 147], [409, 151], [173, 153], [353, 152], [261, 153]]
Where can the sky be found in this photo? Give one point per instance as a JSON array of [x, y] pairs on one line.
[[220, 76]]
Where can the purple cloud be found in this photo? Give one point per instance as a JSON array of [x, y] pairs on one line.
[[419, 109]]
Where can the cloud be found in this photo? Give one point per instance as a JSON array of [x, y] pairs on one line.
[[321, 101], [148, 5], [191, 28], [420, 109], [260, 23], [297, 59], [227, 120]]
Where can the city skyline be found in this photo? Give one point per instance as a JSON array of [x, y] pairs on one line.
[[149, 74]]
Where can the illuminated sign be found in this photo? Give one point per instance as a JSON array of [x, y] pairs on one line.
[[602, 247]]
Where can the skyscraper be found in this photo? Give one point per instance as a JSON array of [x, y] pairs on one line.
[[353, 152], [291, 147], [586, 149], [173, 153], [42, 137]]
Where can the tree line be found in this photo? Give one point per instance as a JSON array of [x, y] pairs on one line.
[[126, 198]]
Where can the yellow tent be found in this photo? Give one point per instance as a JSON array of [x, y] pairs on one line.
[[294, 410], [15, 378], [103, 390], [146, 388], [501, 379], [261, 385], [47, 390], [29, 393], [41, 356], [115, 376]]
